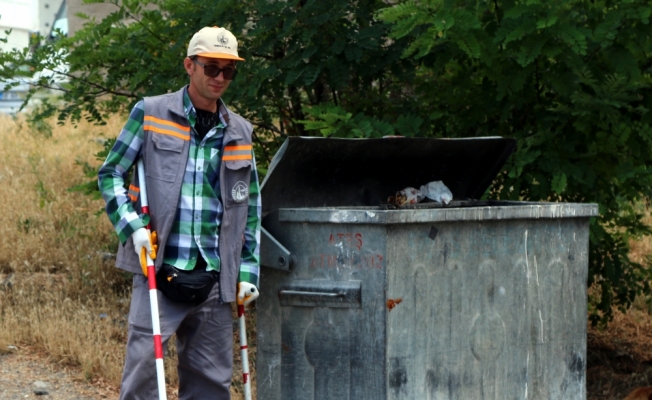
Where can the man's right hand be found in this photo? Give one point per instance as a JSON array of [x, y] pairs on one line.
[[144, 243]]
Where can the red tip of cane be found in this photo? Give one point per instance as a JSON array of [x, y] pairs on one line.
[[158, 347], [151, 277]]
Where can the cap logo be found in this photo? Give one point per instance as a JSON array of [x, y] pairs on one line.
[[222, 39], [240, 192]]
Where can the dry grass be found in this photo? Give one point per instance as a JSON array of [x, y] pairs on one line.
[[57, 284], [620, 357], [59, 291]]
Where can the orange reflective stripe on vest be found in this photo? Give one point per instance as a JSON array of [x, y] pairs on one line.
[[165, 127], [234, 153], [133, 193]]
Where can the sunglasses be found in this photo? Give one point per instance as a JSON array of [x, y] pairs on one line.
[[212, 70]]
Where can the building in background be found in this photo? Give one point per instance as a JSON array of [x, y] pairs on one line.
[[25, 17], [49, 18], [52, 15], [22, 18]]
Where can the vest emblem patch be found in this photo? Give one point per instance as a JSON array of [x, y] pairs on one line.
[[240, 192]]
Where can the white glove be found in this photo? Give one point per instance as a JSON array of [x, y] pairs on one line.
[[246, 293], [144, 243]]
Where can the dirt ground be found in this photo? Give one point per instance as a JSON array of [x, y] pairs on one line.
[[25, 374], [619, 359]]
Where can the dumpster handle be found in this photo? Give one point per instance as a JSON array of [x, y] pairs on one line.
[[300, 293]]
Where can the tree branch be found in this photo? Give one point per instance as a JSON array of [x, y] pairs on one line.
[[262, 146], [536, 79], [497, 19], [95, 85], [268, 126], [115, 3], [496, 12], [265, 56], [44, 86]]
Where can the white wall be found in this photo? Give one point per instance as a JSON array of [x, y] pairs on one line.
[[22, 17], [47, 12]]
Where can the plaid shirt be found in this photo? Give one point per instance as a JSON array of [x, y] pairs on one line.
[[200, 195]]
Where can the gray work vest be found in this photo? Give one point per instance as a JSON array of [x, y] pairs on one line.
[[165, 153]]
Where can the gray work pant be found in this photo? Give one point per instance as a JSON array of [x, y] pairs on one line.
[[204, 346]]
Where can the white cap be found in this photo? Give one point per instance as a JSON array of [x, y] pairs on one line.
[[214, 42]]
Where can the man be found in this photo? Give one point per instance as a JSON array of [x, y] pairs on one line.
[[204, 203]]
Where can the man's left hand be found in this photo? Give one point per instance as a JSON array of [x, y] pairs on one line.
[[246, 293]]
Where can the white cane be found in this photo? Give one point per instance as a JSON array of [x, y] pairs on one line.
[[244, 351], [153, 299]]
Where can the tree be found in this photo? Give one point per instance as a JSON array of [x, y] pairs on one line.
[[570, 80]]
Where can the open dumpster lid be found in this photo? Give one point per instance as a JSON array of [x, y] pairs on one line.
[[334, 172]]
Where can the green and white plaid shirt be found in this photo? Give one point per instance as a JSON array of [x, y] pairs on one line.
[[199, 214]]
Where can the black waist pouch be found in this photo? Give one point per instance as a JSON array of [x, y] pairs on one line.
[[185, 286]]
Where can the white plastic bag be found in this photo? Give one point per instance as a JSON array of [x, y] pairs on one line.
[[437, 191]]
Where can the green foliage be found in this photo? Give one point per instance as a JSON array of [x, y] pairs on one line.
[[569, 80], [332, 120]]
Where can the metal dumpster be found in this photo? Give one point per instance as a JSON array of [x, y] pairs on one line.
[[473, 300]]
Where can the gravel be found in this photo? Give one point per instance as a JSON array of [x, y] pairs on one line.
[[24, 375]]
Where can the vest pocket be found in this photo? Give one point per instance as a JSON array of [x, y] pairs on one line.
[[164, 161], [237, 176]]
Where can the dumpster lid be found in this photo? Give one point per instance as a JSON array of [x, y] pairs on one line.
[[335, 172]]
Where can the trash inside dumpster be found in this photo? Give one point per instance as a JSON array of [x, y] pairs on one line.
[[361, 299]]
